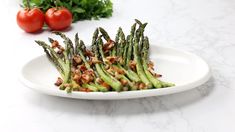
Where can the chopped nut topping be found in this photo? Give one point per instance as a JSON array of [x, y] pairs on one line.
[[153, 73], [60, 51], [142, 86], [89, 72], [77, 71], [158, 75], [99, 80], [82, 68], [95, 60], [118, 70], [77, 78], [151, 65], [55, 44], [104, 84], [108, 46], [112, 59], [83, 89], [59, 81], [88, 90], [86, 78], [132, 65], [90, 62], [77, 59], [124, 82], [89, 53]]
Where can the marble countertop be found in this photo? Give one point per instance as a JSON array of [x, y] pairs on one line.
[[203, 27]]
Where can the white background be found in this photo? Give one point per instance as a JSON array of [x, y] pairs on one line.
[[204, 27]]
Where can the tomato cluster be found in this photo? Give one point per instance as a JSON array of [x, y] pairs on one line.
[[32, 20]]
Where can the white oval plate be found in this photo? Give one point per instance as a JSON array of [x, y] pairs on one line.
[[184, 69]]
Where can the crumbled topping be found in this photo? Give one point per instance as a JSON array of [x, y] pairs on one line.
[[77, 59], [59, 81], [108, 46]]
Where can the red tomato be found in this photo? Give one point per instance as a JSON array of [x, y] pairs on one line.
[[30, 20], [58, 18]]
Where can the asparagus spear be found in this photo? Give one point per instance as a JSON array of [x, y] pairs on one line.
[[114, 83], [66, 40], [130, 45], [156, 83], [139, 67], [114, 50], [64, 64], [141, 33]]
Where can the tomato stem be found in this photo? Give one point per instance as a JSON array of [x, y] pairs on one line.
[[28, 4], [56, 4]]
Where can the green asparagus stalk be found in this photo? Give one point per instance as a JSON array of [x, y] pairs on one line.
[[114, 83], [156, 83], [64, 64], [139, 67], [145, 52]]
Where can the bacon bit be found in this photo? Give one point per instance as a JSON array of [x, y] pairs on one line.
[[88, 90], [55, 44], [83, 89], [158, 75], [112, 59], [86, 78], [82, 68], [108, 46], [118, 70], [89, 53], [95, 60], [150, 65], [132, 65], [60, 51], [59, 81], [89, 72], [73, 69], [117, 75], [90, 62], [104, 84], [154, 74], [142, 86], [77, 71], [151, 71], [99, 80], [124, 82], [77, 59], [77, 78]]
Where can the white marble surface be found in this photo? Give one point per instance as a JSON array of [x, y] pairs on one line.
[[204, 27]]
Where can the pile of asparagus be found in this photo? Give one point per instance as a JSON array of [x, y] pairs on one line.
[[110, 65]]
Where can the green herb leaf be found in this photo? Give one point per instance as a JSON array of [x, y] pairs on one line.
[[81, 9]]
